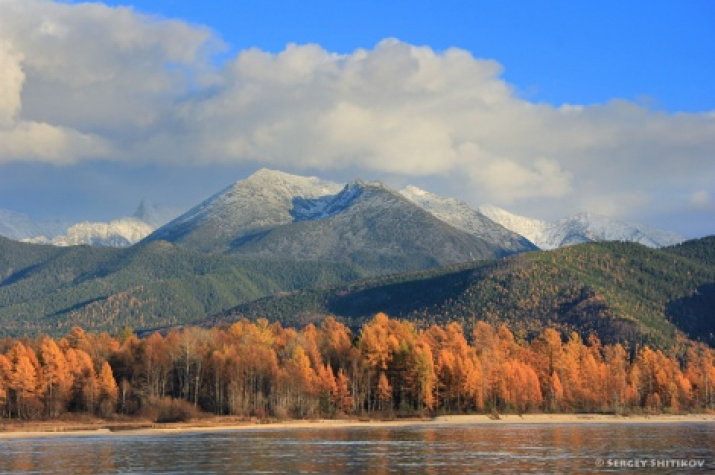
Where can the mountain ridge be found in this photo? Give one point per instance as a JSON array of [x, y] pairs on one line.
[[280, 198]]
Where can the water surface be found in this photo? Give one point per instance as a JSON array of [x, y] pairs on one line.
[[448, 449]]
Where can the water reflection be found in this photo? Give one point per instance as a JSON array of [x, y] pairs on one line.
[[455, 450]]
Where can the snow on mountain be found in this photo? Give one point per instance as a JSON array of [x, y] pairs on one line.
[[118, 233], [458, 214], [532, 229], [273, 214], [307, 209], [580, 228], [19, 226], [262, 200], [121, 232], [265, 198], [370, 225]]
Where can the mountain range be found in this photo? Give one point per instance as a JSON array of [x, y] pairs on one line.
[[271, 198], [298, 248]]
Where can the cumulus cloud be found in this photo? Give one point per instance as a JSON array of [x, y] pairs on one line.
[[86, 81]]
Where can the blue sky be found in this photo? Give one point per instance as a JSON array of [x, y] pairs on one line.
[[553, 51], [543, 108]]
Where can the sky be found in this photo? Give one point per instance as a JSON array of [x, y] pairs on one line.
[[545, 108]]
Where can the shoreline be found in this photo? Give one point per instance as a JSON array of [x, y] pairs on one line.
[[60, 429]]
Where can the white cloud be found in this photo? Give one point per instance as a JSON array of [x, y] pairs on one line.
[[508, 181], [87, 81]]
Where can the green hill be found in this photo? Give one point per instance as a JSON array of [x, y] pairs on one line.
[[623, 292], [48, 289]]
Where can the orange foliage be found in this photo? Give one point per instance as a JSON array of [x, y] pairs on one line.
[[261, 369]]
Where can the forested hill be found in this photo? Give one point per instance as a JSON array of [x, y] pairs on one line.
[[45, 289], [623, 292]]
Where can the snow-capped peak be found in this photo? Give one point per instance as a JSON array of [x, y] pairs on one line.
[[287, 185], [117, 233], [120, 232], [580, 228], [530, 228], [264, 199]]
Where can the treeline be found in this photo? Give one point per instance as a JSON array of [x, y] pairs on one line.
[[390, 368]]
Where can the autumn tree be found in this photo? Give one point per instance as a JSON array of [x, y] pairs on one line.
[[23, 381], [107, 391], [56, 380], [84, 377], [616, 360]]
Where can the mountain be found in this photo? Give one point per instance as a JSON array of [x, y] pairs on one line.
[[261, 201], [458, 214], [121, 232], [50, 289], [580, 228], [369, 225], [623, 292], [19, 226], [276, 215]]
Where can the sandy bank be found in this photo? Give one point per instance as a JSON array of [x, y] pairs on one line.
[[202, 427]]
